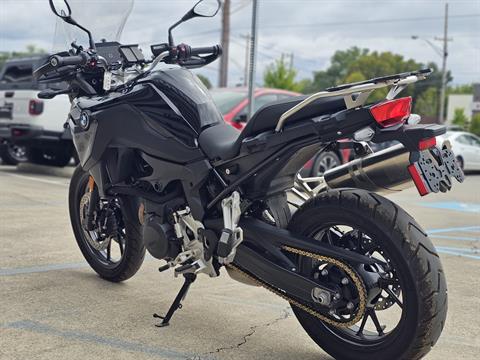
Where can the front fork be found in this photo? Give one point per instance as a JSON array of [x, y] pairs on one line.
[[94, 198]]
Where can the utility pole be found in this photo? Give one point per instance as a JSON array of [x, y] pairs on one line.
[[253, 55], [444, 66], [443, 52], [223, 76], [247, 56]]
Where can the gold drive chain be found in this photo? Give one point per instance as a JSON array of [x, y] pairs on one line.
[[362, 293]]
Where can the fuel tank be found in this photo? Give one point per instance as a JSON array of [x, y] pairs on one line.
[[162, 115]]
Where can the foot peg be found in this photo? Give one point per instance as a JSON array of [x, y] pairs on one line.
[[176, 305]]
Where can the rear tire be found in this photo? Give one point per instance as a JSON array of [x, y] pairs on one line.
[[58, 156], [134, 249], [415, 259]]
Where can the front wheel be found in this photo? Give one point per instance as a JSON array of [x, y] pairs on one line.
[[115, 253], [406, 318]]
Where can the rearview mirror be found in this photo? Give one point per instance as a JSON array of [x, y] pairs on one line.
[[206, 8], [61, 8], [203, 8]]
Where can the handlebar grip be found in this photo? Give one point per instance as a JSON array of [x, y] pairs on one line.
[[216, 50], [56, 60]]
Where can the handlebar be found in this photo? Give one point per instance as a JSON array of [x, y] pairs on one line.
[[215, 50], [57, 60]]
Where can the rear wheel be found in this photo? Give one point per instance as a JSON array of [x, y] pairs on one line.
[[116, 253], [58, 155], [406, 318], [12, 154]]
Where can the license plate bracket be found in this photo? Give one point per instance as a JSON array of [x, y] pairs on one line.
[[432, 169]]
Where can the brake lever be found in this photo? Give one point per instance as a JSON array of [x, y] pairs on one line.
[[50, 93]]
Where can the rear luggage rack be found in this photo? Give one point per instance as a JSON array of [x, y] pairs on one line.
[[361, 90]]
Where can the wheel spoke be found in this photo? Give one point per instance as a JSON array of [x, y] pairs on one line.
[[362, 325], [329, 237], [394, 296], [359, 238], [379, 327], [109, 248], [120, 245]]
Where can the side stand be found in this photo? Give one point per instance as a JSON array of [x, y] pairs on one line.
[[189, 280]]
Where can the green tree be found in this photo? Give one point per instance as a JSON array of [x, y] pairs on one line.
[[281, 75], [338, 70], [205, 81], [426, 103], [460, 119], [357, 64], [460, 89], [475, 124]]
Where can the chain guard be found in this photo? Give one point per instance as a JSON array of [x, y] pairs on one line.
[[326, 318]]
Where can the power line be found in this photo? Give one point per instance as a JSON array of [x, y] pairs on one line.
[[359, 22]]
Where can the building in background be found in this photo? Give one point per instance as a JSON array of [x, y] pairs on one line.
[[469, 103]]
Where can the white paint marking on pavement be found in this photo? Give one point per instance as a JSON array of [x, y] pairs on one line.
[[38, 179]]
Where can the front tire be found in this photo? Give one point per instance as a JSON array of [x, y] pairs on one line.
[[132, 249], [424, 292]]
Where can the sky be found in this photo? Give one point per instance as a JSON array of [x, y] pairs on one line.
[[310, 29]]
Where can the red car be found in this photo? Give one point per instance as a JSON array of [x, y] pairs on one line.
[[233, 104]]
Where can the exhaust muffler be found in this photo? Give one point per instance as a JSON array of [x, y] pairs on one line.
[[384, 171]]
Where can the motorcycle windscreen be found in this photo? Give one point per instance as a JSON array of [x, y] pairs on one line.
[[104, 19]]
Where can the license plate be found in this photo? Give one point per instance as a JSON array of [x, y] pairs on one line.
[[432, 169], [6, 111]]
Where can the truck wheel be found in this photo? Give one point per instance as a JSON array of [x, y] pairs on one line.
[[12, 154], [52, 156]]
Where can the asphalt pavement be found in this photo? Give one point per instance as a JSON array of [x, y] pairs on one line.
[[53, 306]]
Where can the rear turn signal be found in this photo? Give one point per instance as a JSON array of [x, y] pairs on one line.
[[417, 180], [392, 112], [35, 107]]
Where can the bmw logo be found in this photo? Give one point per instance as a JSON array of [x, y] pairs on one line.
[[84, 120]]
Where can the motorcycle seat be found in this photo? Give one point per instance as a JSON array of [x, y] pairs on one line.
[[223, 142]]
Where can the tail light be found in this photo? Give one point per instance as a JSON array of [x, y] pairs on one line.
[[35, 107], [393, 112]]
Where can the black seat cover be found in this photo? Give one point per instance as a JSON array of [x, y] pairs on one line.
[[222, 141]]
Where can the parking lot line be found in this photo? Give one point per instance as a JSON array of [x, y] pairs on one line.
[[74, 335], [451, 229], [457, 238], [453, 205], [37, 179], [41, 268]]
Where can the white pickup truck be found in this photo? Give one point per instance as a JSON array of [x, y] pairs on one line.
[[28, 125]]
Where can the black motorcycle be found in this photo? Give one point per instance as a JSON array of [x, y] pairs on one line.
[[160, 170]]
